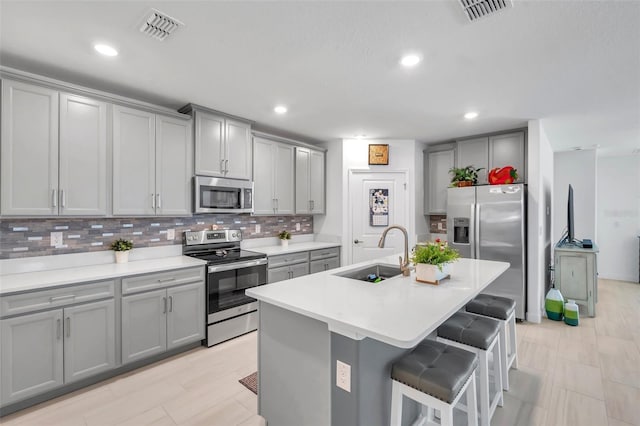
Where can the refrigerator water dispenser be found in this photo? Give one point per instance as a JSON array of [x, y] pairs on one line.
[[461, 230]]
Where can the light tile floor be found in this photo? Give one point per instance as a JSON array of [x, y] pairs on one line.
[[585, 375]]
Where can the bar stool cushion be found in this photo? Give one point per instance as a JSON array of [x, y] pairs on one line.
[[471, 330], [491, 306], [436, 369]]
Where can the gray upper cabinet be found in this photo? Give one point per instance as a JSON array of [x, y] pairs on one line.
[[83, 156], [222, 146], [438, 179], [31, 353], [508, 150], [174, 156], [238, 159], [474, 152], [273, 177], [151, 163], [134, 153], [310, 181], [89, 339], [54, 152]]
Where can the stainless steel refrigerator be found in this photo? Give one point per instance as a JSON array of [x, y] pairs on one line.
[[489, 222]]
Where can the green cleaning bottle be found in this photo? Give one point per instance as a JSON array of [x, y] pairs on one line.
[[554, 304], [571, 312]]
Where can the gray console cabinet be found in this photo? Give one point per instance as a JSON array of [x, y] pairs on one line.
[[576, 275], [185, 314], [144, 325]]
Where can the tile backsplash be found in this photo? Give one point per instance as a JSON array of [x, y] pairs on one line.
[[438, 223], [32, 237]]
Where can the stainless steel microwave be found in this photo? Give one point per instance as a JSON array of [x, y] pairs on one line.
[[216, 195]]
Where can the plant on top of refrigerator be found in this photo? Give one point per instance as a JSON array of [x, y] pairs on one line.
[[464, 174]]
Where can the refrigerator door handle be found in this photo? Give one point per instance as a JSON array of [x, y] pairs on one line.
[[472, 231], [476, 236]]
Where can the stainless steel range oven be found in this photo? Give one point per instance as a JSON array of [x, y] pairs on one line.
[[230, 271]]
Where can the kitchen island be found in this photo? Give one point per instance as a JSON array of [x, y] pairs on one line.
[[310, 323]]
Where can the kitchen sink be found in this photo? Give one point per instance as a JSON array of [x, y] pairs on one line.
[[367, 273]]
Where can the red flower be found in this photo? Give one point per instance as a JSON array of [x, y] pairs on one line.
[[437, 240]]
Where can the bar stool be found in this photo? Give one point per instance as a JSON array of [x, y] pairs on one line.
[[436, 375], [479, 335], [502, 309]]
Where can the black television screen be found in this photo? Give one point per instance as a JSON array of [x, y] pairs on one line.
[[570, 231]]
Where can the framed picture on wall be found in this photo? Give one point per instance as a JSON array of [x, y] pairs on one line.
[[378, 154]]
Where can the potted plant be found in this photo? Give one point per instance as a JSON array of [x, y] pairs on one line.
[[122, 247], [465, 176], [284, 236], [432, 260]]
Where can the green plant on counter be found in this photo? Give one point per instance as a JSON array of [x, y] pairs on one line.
[[284, 235], [464, 174], [434, 253], [121, 245]]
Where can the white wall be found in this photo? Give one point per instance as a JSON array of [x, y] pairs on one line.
[[539, 220], [577, 168], [618, 216], [402, 157]]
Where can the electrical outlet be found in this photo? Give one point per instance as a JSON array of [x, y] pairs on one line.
[[343, 376], [56, 239], [297, 226], [258, 228], [171, 234]]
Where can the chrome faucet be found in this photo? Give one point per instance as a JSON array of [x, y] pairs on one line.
[[404, 264]]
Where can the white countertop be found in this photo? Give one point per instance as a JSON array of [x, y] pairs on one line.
[[293, 247], [397, 311], [26, 281]]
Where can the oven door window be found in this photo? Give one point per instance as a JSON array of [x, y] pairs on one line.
[[213, 197], [226, 288]]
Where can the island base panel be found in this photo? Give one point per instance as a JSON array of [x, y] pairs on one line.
[[293, 368]]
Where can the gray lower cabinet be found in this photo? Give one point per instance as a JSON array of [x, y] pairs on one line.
[[144, 325], [158, 320], [89, 339], [185, 314], [286, 266], [45, 350], [324, 265], [30, 355]]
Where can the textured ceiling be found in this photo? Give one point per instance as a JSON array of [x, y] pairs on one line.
[[335, 64]]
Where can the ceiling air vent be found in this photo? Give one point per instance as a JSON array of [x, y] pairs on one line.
[[475, 9], [158, 25]]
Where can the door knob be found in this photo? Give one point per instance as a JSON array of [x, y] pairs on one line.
[[357, 241]]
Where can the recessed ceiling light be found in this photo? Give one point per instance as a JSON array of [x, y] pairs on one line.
[[471, 115], [280, 109], [410, 60], [105, 50], [360, 136]]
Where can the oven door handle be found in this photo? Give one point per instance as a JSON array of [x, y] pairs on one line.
[[237, 265]]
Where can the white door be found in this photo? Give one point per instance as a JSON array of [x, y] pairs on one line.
[[366, 229]]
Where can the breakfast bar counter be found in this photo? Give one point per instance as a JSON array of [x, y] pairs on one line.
[[309, 324]]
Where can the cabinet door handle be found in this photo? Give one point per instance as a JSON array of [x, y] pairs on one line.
[[68, 327], [277, 204], [159, 204], [59, 328], [222, 166], [313, 205], [63, 198], [153, 201], [170, 303], [226, 166], [164, 303], [68, 296], [54, 197], [166, 280]]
